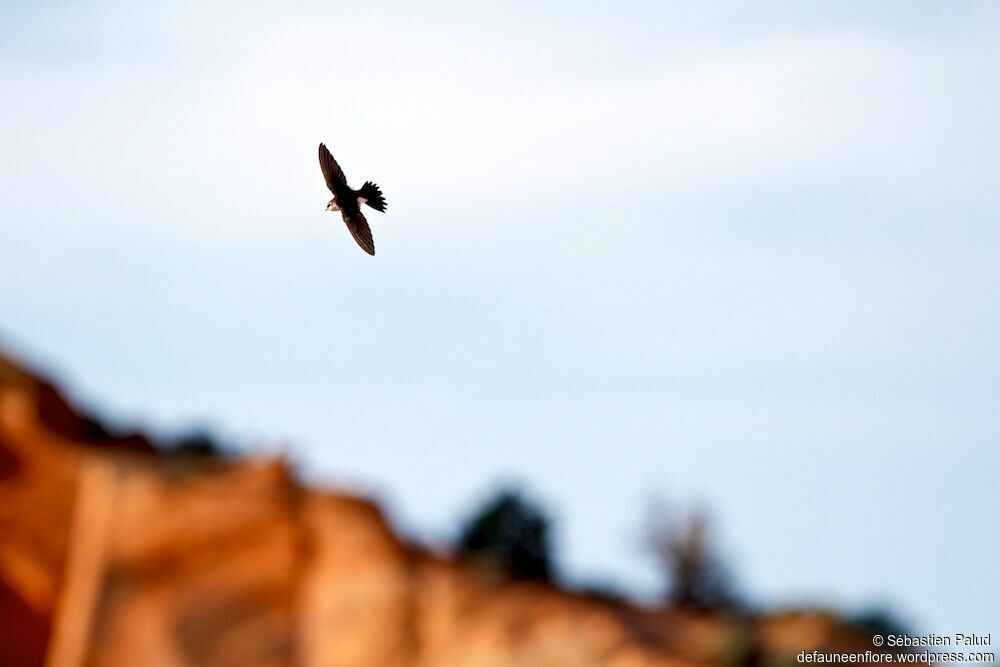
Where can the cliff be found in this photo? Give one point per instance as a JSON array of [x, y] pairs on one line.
[[114, 554]]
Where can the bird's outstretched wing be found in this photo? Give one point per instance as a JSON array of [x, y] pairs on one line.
[[360, 230], [334, 175]]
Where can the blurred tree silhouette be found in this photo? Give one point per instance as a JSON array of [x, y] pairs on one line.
[[198, 443], [879, 620], [697, 577], [510, 535]]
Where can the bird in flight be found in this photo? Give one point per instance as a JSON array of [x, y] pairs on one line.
[[349, 201]]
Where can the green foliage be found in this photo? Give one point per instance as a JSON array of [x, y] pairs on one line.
[[697, 577], [879, 621], [510, 535]]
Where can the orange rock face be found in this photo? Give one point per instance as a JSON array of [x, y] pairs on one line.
[[112, 555]]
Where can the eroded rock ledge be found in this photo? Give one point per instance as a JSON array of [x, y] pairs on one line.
[[114, 555]]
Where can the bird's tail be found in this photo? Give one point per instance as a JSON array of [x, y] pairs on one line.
[[372, 196]]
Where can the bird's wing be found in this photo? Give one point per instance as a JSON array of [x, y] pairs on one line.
[[360, 230], [334, 175]]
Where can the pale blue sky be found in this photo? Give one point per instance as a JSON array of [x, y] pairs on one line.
[[745, 256]]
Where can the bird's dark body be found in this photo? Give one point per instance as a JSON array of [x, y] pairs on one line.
[[348, 201]]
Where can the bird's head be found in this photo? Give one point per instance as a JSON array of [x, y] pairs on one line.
[[331, 205]]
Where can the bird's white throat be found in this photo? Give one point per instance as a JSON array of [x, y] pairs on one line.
[[332, 206]]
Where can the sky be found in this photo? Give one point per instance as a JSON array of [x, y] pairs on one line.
[[738, 256]]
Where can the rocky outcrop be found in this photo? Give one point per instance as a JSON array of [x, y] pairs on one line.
[[115, 555]]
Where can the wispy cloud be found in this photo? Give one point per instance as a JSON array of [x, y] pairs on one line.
[[466, 118]]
